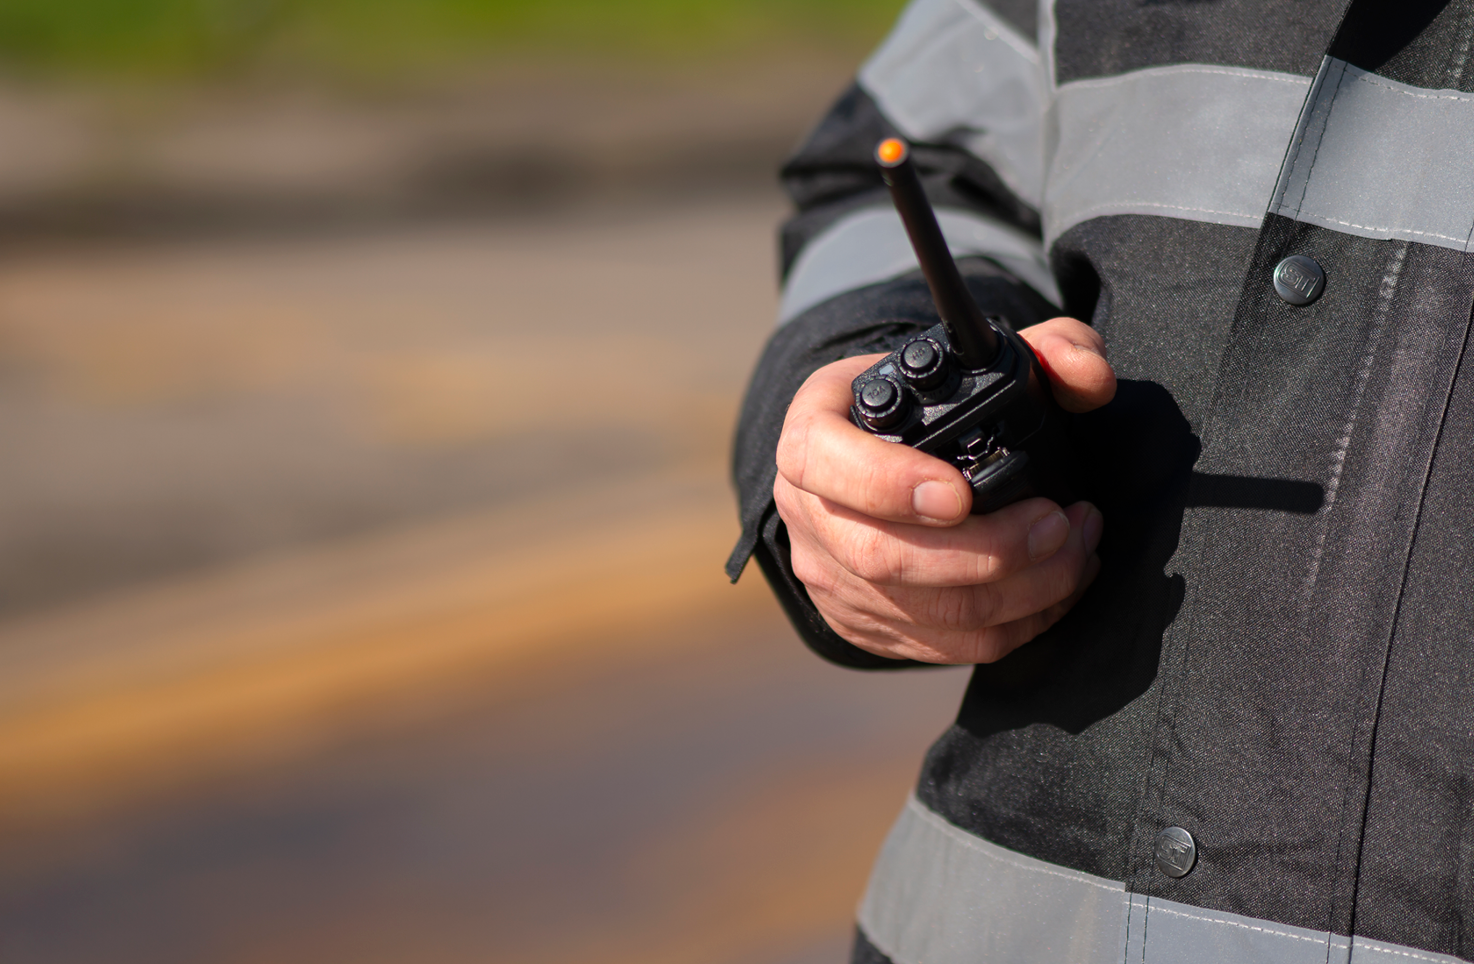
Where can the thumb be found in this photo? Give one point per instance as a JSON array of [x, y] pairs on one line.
[[824, 454]]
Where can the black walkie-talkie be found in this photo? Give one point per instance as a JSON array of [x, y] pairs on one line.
[[969, 391]]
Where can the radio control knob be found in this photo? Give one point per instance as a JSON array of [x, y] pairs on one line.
[[881, 402], [924, 364]]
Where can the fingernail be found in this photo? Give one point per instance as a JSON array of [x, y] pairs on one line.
[[1047, 535], [936, 500], [1094, 527], [1080, 346]]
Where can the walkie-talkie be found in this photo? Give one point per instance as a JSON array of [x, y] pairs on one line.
[[969, 391]]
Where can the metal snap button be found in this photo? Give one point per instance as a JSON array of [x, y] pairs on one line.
[[1299, 280], [1176, 852]]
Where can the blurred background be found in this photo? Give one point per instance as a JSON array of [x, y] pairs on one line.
[[367, 375]]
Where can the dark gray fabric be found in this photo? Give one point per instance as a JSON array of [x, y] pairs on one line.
[[864, 952], [1245, 718], [1417, 849], [1023, 14], [1100, 38], [1420, 42], [1086, 717]]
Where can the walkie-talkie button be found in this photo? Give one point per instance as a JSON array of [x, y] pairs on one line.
[[881, 402], [1298, 280], [919, 357], [878, 394], [924, 363]]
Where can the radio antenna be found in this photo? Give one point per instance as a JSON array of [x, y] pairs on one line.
[[972, 337]]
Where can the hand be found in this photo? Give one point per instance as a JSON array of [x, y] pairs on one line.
[[882, 537]]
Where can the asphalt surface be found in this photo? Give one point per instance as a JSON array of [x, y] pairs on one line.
[[362, 602]]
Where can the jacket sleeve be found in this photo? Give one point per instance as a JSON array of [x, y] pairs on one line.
[[851, 285]]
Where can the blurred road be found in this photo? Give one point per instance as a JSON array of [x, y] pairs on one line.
[[360, 600], [715, 798], [174, 406]]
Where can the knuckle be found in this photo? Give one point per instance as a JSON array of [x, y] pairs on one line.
[[982, 607], [786, 498], [872, 556], [962, 610], [793, 447], [810, 570]]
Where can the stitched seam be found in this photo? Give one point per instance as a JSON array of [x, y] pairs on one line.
[[1368, 79], [1146, 922], [1119, 206], [1247, 927], [975, 843], [1297, 145], [1368, 227], [1172, 71], [1126, 928], [1386, 292], [1319, 140]]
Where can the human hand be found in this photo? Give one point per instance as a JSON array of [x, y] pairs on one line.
[[882, 538]]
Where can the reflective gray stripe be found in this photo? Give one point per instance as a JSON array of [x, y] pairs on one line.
[[939, 895], [1368, 156], [942, 896], [1191, 141], [870, 246], [1379, 159], [953, 72]]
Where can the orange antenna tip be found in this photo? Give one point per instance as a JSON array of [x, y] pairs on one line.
[[892, 151]]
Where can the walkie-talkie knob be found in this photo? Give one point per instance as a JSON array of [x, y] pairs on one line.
[[882, 402], [924, 364]]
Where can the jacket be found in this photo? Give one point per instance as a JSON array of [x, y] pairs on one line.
[[1253, 739]]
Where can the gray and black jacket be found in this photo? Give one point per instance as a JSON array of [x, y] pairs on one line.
[[1278, 656]]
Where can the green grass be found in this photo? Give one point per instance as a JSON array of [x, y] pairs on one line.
[[187, 38]]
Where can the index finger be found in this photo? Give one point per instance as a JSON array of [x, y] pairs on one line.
[[1074, 356]]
